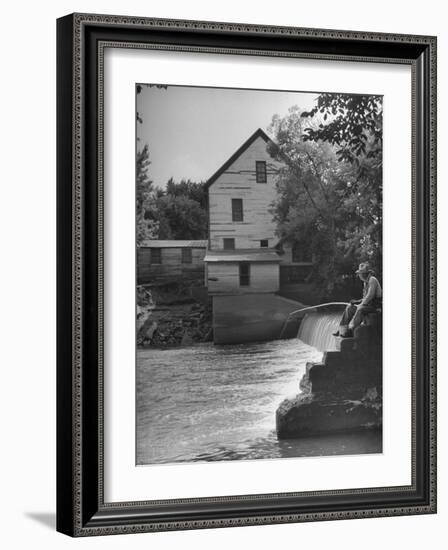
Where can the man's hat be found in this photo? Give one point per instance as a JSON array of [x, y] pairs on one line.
[[364, 268]]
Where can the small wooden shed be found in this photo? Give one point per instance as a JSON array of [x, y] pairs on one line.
[[164, 260]]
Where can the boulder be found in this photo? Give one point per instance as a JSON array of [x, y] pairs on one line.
[[311, 415]]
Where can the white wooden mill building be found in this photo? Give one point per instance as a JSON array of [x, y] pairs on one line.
[[242, 257]]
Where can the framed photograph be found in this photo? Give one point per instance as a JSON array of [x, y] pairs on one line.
[[246, 274]]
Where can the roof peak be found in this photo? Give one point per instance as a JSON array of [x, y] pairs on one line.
[[258, 133]]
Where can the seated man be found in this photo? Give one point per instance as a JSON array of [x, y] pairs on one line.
[[357, 309]]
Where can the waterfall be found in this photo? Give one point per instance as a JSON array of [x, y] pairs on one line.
[[316, 329]]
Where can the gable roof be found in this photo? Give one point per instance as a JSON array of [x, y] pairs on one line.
[[258, 133]]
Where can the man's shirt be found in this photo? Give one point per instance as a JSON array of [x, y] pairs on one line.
[[371, 290]]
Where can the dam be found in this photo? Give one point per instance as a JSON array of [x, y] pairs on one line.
[[343, 391]]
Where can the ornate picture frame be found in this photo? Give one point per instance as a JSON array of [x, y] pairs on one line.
[[81, 506]]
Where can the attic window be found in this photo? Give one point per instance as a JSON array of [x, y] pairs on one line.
[[260, 171], [264, 243]]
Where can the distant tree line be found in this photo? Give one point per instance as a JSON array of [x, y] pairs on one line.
[[177, 212]]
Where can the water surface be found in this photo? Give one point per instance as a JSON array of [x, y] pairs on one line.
[[207, 403]]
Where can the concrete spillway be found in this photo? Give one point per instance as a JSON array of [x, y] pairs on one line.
[[240, 319]]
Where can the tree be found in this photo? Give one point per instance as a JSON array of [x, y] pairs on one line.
[[353, 124], [181, 218], [181, 211], [187, 188], [309, 194], [361, 233], [326, 199], [354, 127], [146, 224]]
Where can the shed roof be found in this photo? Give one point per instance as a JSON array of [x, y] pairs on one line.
[[242, 255], [174, 244], [258, 133]]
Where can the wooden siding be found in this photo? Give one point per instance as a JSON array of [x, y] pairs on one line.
[[264, 277], [171, 266], [239, 182]]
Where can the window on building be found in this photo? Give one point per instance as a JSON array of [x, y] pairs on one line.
[[187, 256], [229, 244], [156, 255], [264, 243], [237, 210], [260, 171], [244, 274]]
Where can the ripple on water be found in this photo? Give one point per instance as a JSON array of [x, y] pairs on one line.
[[208, 403]]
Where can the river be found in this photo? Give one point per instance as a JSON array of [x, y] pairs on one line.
[[207, 403]]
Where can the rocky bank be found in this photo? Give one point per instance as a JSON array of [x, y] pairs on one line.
[[171, 315]]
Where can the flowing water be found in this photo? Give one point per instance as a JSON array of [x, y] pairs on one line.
[[317, 328], [207, 402]]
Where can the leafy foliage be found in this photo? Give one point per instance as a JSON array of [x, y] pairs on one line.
[[147, 227], [354, 125], [327, 199], [189, 189], [179, 212], [181, 216]]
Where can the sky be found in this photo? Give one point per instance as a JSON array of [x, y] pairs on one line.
[[192, 131]]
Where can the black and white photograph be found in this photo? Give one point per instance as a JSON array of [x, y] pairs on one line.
[[220, 305], [259, 274]]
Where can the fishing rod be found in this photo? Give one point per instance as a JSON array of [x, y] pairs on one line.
[[309, 308]]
